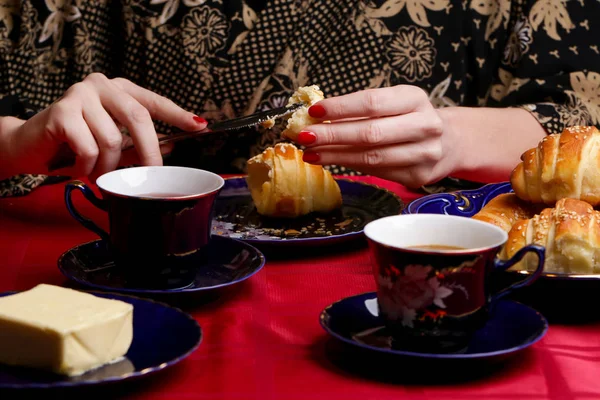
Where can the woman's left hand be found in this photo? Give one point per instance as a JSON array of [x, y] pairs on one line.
[[394, 133]]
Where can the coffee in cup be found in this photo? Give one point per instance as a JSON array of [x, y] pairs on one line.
[[160, 220], [433, 274]]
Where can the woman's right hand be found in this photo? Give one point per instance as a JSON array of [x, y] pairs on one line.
[[87, 118]]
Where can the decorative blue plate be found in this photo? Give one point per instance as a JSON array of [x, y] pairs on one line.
[[228, 262], [512, 327], [465, 203], [162, 336], [236, 216]]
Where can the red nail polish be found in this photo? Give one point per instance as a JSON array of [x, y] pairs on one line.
[[305, 138], [311, 157], [317, 111], [199, 120]]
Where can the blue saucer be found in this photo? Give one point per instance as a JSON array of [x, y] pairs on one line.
[[236, 216], [512, 327], [162, 336], [228, 262]]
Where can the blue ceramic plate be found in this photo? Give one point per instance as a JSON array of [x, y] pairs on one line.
[[228, 262], [467, 203], [162, 336], [512, 327], [236, 216]]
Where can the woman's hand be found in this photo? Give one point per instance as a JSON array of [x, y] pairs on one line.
[[88, 118], [394, 133]]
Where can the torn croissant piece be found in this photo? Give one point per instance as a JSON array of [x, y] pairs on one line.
[[561, 166], [283, 185], [300, 118], [570, 233], [505, 210]]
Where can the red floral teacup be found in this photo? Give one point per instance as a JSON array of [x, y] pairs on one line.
[[433, 273]]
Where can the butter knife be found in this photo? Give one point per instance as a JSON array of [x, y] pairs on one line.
[[66, 158]]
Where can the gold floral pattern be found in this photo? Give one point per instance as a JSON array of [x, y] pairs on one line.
[[417, 10], [508, 84], [552, 13], [412, 54], [586, 91], [8, 8], [223, 59], [171, 6], [204, 32]]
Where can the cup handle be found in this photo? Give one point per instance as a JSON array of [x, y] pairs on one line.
[[91, 197], [503, 265]]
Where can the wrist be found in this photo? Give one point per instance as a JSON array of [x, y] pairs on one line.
[[453, 143], [9, 154]]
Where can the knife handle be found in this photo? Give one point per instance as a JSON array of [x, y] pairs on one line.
[[65, 157]]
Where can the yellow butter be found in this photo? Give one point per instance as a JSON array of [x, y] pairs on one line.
[[63, 330]]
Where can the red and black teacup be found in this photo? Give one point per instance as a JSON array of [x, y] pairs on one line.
[[159, 221], [433, 274]]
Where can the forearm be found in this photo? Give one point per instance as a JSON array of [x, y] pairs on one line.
[[487, 143], [8, 165]]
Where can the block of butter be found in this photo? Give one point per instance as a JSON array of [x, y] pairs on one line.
[[63, 330]]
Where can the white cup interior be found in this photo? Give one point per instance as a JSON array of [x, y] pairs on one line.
[[157, 181], [409, 230]]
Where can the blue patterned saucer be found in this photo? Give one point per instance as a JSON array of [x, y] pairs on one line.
[[512, 327], [228, 262], [162, 336], [236, 216]]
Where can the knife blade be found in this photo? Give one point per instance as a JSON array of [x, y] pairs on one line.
[[65, 157]]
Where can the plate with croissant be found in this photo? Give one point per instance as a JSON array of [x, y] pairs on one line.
[[284, 200], [552, 199]]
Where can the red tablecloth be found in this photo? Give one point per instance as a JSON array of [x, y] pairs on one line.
[[263, 339]]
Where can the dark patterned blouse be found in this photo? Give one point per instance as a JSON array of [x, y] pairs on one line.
[[226, 58]]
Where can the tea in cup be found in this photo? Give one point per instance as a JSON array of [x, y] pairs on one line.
[[433, 274], [160, 220]]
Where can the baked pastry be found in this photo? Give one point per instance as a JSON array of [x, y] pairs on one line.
[[570, 233], [505, 210], [561, 166], [283, 185], [300, 118]]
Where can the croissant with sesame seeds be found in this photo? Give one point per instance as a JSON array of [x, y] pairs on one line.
[[506, 209], [570, 233], [562, 165]]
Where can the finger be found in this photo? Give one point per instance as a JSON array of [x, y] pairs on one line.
[[374, 132], [129, 112], [77, 134], [381, 102], [107, 135], [162, 108], [404, 155], [130, 156]]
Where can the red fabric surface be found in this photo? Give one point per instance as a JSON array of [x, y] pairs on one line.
[[263, 339]]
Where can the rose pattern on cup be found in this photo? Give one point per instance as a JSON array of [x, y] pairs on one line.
[[418, 292]]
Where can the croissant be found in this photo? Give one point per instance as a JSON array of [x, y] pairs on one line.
[[561, 166], [505, 210], [300, 118], [283, 185], [570, 233]]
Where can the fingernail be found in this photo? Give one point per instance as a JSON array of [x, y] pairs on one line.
[[305, 138], [311, 157], [199, 120], [317, 111]]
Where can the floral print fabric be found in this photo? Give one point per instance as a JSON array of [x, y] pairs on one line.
[[227, 58]]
